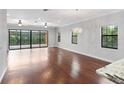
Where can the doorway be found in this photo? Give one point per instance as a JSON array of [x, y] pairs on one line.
[[23, 39]]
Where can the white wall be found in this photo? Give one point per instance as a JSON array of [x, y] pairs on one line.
[[51, 32], [89, 41], [52, 38], [3, 42]]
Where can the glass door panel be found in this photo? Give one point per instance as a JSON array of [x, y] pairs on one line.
[[14, 39], [25, 39], [35, 39], [19, 39], [43, 39]]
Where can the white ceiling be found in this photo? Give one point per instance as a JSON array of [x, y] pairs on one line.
[[54, 17]]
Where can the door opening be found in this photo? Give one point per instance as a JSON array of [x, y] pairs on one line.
[[23, 39]]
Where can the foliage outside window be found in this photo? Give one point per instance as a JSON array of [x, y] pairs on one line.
[[20, 38], [15, 37], [109, 37], [43, 38], [74, 37], [59, 37]]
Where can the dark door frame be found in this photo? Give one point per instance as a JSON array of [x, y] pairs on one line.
[[30, 31]]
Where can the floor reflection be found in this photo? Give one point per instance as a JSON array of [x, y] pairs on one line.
[[47, 74], [51, 66], [75, 68], [19, 80], [59, 59]]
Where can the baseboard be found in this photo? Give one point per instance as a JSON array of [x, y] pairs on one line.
[[87, 55], [3, 74], [52, 46]]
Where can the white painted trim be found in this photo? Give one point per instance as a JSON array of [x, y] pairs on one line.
[[3, 74], [87, 55], [51, 46]]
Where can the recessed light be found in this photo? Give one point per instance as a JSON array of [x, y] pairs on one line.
[[39, 19], [8, 14]]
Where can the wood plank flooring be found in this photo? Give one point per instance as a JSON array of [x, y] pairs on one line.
[[52, 66]]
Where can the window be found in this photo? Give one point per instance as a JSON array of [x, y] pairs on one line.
[[25, 38], [14, 39], [43, 38], [109, 37], [35, 38], [74, 37], [20, 38], [59, 37]]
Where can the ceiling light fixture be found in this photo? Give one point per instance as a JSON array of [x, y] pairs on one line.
[[45, 26], [20, 23]]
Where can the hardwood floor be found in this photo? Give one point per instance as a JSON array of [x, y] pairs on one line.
[[52, 65]]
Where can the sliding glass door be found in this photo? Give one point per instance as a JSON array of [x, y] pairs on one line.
[[14, 39], [25, 39], [20, 39], [35, 39], [43, 38]]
